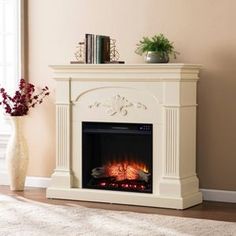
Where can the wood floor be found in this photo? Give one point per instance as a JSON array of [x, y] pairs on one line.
[[207, 210]]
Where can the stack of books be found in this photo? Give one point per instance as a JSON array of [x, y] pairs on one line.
[[97, 49]]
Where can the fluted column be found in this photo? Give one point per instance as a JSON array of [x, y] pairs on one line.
[[171, 165], [178, 178], [62, 173]]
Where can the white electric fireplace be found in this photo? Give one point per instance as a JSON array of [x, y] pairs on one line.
[[126, 134]]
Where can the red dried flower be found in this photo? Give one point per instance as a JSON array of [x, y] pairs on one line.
[[23, 100]]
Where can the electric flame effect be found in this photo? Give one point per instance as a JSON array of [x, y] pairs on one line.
[[122, 175], [125, 170]]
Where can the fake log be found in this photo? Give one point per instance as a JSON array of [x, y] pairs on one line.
[[120, 173], [98, 172]]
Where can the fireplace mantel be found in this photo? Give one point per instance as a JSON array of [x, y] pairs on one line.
[[129, 72], [163, 95]]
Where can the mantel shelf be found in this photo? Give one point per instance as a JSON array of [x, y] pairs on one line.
[[127, 72]]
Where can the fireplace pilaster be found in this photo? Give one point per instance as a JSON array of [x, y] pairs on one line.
[[61, 177]]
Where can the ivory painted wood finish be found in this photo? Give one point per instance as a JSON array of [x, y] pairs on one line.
[[161, 94]]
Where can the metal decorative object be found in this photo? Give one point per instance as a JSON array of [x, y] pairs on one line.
[[114, 54], [80, 52]]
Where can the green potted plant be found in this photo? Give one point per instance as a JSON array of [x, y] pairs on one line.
[[157, 49]]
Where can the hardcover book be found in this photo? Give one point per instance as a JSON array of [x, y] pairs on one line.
[[88, 48], [97, 49]]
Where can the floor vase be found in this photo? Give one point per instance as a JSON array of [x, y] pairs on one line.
[[17, 155]]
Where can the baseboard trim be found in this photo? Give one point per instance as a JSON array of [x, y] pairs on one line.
[[4, 180], [208, 194], [39, 182], [219, 195], [31, 181]]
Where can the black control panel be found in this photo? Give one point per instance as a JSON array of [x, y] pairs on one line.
[[145, 127], [101, 127]]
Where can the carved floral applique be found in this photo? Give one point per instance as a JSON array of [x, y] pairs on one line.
[[118, 105]]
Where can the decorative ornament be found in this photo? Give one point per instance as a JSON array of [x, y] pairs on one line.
[[118, 105], [114, 54], [80, 52]]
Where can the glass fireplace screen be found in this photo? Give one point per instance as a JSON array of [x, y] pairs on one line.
[[117, 156]]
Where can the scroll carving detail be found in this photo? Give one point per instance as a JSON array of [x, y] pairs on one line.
[[118, 105]]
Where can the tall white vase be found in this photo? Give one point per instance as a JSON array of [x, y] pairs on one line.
[[17, 155]]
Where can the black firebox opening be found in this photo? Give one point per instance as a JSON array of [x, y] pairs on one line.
[[117, 156]]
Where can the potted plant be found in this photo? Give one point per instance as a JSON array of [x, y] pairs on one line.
[[17, 107], [157, 49]]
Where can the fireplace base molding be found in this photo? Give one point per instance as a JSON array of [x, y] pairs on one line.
[[137, 199], [163, 95]]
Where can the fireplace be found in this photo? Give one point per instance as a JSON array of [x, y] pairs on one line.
[[117, 156], [126, 134]]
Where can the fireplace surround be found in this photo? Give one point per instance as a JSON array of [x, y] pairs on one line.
[[126, 134]]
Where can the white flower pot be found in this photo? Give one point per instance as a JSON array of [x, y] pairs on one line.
[[17, 155]]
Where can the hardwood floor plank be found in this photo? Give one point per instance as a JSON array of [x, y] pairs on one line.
[[206, 210]]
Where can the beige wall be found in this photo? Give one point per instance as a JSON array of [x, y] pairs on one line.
[[203, 31]]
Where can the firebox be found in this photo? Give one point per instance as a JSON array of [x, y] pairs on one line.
[[117, 156]]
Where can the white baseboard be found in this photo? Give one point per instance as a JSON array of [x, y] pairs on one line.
[[208, 194], [38, 182], [4, 178], [219, 195]]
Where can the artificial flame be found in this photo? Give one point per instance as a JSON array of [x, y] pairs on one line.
[[129, 170]]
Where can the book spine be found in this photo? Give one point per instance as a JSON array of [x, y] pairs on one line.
[[88, 39], [102, 49], [86, 48], [106, 49], [92, 49], [98, 49]]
